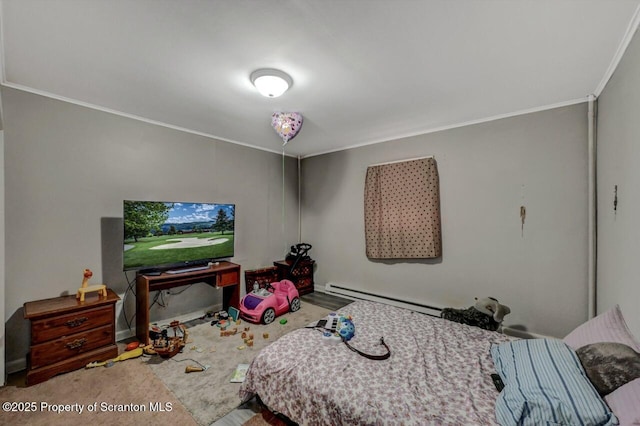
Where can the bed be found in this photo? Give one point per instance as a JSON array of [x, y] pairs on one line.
[[439, 372]]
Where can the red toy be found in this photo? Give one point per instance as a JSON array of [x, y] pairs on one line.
[[265, 304]]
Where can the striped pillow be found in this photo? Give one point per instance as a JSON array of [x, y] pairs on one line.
[[545, 384]]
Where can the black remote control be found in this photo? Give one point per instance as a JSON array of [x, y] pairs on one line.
[[497, 381]]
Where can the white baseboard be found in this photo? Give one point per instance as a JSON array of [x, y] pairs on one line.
[[125, 334], [359, 294], [187, 317]]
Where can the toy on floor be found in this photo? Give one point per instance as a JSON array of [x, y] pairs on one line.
[[231, 332], [193, 369], [167, 346], [487, 313], [131, 346], [126, 355], [265, 304], [86, 288], [220, 319]]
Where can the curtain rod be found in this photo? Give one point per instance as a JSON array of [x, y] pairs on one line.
[[402, 161]]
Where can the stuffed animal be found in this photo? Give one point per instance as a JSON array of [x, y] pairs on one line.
[[492, 307], [347, 329], [487, 313]]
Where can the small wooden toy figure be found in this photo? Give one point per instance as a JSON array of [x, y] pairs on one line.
[[86, 288]]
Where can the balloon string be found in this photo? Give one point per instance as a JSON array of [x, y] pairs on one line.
[[283, 203]]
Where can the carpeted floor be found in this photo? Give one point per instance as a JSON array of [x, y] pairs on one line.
[[158, 390], [125, 385], [209, 395]]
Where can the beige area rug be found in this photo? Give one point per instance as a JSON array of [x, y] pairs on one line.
[[209, 395], [125, 385]]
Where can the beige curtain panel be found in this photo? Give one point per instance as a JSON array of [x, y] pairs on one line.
[[402, 210]]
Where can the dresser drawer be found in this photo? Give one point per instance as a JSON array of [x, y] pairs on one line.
[[63, 325], [69, 346], [225, 278]]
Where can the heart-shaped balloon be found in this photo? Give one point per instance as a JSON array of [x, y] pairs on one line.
[[286, 124]]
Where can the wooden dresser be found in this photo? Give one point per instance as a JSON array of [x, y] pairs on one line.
[[67, 334]]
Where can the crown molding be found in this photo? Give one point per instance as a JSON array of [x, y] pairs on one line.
[[622, 48], [457, 125], [136, 117]]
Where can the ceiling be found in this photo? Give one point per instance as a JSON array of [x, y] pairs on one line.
[[364, 71]]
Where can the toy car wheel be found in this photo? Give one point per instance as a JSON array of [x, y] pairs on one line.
[[268, 316], [295, 304]]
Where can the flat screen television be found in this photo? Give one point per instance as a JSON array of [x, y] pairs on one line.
[[163, 235]]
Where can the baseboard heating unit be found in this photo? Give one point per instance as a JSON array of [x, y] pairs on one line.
[[356, 294]]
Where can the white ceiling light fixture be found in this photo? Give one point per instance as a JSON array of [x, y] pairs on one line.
[[271, 82]]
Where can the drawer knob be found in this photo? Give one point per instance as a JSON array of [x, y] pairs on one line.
[[76, 322], [77, 344]]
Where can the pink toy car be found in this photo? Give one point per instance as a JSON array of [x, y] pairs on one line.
[[265, 304]]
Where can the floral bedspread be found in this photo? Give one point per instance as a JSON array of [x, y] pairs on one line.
[[438, 372]]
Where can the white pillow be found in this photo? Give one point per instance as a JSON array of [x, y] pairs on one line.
[[610, 326], [624, 403]]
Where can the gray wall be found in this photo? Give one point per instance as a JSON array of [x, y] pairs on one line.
[[487, 171], [67, 171], [3, 336], [619, 164]]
